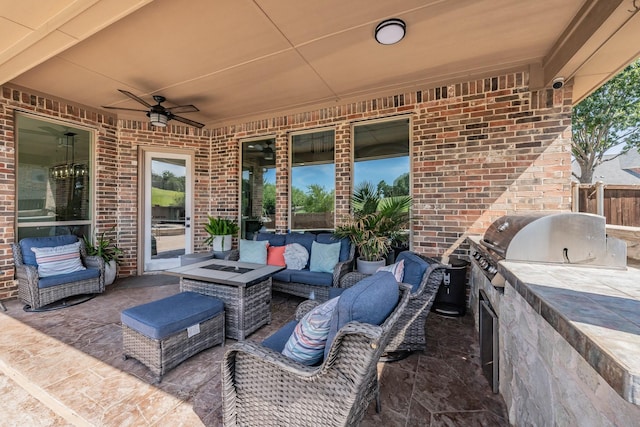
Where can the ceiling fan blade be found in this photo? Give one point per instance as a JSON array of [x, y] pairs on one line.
[[135, 98], [182, 109], [125, 109], [187, 121]]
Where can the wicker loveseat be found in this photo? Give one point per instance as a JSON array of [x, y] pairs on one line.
[[263, 387], [304, 283], [424, 275], [38, 291]]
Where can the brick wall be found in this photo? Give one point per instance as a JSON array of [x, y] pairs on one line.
[[480, 149]]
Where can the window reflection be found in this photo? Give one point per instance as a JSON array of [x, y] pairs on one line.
[[258, 203], [54, 178], [313, 181]]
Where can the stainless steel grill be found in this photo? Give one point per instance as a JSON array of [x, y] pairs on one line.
[[563, 238]]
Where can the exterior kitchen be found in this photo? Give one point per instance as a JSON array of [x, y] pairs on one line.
[[558, 313]]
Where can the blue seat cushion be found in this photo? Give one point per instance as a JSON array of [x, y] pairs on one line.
[[29, 258], [345, 244], [272, 238], [414, 268], [279, 338], [371, 300], [61, 279], [167, 316], [283, 275], [311, 277]]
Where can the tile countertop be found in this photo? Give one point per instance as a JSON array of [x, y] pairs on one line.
[[596, 310]]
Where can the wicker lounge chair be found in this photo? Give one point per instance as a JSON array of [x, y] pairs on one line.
[[409, 332], [35, 293], [263, 387]]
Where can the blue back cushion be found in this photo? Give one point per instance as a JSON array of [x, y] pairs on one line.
[[272, 238], [414, 268], [371, 300], [345, 244], [29, 257]]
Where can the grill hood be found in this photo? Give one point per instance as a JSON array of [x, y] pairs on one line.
[[563, 238]]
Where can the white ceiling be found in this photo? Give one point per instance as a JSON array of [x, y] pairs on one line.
[[237, 59]]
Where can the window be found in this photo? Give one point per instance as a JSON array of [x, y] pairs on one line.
[[381, 156], [258, 202], [312, 181], [382, 170], [54, 178]]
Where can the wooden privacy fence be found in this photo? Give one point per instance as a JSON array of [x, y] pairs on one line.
[[619, 204]]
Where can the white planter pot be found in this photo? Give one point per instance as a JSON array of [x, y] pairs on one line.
[[221, 243], [369, 267], [110, 272]]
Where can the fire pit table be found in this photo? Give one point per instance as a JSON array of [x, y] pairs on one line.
[[245, 289]]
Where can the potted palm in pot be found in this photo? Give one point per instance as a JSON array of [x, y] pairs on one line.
[[104, 247], [375, 225], [221, 232]]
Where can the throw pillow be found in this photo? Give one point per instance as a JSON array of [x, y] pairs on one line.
[[324, 257], [295, 256], [275, 255], [58, 259], [397, 269], [253, 251], [307, 342]]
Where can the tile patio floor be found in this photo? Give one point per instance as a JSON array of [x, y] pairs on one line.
[[65, 367]]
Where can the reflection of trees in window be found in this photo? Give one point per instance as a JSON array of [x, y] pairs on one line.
[[168, 181], [313, 180], [400, 186]]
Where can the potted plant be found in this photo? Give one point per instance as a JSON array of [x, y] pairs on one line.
[[221, 231], [375, 225], [108, 251]]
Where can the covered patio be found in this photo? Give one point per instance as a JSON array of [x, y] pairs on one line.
[[482, 91], [65, 367]]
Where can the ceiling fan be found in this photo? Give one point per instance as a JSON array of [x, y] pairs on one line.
[[158, 114]]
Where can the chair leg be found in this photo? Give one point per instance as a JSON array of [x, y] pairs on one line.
[[2, 306], [378, 404]]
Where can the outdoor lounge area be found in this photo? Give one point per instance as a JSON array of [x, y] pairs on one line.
[[140, 138], [65, 366]]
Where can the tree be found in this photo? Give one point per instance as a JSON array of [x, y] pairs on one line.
[[318, 199], [608, 117]]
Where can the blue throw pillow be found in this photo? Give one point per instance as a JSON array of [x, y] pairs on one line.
[[324, 257], [253, 251], [414, 268], [307, 342]]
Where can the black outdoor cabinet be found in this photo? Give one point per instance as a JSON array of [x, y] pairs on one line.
[[451, 299]]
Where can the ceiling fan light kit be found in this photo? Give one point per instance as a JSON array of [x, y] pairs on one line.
[[158, 119]]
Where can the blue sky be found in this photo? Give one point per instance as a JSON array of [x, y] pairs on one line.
[[372, 170]]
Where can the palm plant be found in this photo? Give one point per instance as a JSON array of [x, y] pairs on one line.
[[220, 227], [376, 221], [103, 247]]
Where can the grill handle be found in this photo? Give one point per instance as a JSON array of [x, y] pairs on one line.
[[494, 248]]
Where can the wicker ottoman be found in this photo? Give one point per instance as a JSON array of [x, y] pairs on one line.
[[162, 334]]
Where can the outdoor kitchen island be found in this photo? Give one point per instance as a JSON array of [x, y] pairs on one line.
[[568, 340]]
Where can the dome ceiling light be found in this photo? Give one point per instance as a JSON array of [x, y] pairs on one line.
[[390, 31]]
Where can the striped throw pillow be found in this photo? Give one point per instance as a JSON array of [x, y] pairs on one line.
[[397, 269], [306, 343], [57, 260]]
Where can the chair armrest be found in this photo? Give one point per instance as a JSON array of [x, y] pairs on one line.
[[94, 262], [343, 268], [233, 255], [306, 306], [350, 279]]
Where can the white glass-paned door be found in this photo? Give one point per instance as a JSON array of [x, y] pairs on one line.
[[167, 218]]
